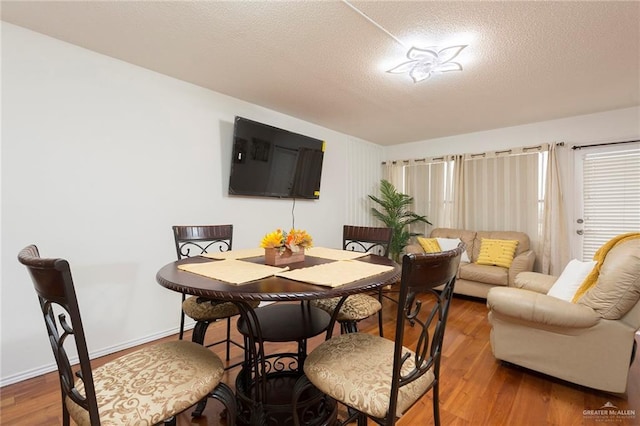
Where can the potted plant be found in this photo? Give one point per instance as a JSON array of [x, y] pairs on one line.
[[394, 213]]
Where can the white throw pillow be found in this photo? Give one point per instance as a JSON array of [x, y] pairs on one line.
[[570, 280], [447, 244]]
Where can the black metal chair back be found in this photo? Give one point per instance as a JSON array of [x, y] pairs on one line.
[[193, 240], [426, 310], [367, 239], [54, 285]]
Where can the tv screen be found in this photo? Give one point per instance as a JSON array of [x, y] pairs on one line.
[[272, 162]]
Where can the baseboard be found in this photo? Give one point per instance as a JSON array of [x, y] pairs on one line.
[[35, 372]]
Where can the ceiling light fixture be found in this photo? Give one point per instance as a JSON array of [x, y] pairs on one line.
[[422, 63]]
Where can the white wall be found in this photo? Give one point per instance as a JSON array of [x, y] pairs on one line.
[[610, 126], [99, 159]]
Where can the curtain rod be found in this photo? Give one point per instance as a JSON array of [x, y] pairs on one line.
[[482, 154], [603, 144]]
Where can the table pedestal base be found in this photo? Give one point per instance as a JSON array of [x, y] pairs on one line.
[[314, 408]]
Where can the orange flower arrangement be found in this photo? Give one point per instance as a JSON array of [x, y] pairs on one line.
[[295, 240]]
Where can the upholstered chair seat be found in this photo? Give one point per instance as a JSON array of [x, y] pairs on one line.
[[203, 309], [365, 382], [359, 307], [150, 385]]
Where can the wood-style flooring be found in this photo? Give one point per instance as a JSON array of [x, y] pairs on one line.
[[475, 388]]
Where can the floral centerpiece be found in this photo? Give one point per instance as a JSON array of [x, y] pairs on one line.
[[282, 248]]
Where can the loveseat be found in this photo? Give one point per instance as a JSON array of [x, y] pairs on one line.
[[589, 341], [474, 279]]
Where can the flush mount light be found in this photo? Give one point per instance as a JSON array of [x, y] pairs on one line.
[[423, 63]]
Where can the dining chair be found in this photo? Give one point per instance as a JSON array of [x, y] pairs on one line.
[[195, 240], [359, 306], [379, 378], [148, 386]]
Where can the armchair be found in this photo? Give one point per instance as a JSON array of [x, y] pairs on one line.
[[590, 342]]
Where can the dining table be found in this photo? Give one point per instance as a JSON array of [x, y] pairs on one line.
[[265, 381]]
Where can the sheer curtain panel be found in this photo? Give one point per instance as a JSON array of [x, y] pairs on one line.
[[501, 193], [554, 249]]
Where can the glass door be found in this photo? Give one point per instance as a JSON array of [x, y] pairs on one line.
[[608, 195]]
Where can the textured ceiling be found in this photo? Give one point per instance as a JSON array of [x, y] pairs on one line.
[[324, 63]]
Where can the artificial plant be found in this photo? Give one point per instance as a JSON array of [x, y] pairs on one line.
[[395, 213]]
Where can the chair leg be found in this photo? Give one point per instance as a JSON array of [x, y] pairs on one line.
[[200, 407], [228, 338], [380, 297], [436, 405], [362, 419], [348, 327], [65, 414], [224, 394], [181, 331], [199, 331]]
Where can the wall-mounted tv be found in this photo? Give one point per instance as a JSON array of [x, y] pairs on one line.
[[272, 162]]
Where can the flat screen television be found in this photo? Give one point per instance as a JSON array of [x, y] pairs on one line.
[[272, 162]]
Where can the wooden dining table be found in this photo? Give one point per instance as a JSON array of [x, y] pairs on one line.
[[264, 377]]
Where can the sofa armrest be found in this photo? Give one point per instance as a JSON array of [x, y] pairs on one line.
[[535, 281], [521, 263], [539, 308]]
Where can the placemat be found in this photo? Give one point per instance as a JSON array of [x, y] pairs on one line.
[[333, 254], [335, 274], [232, 271], [235, 254]]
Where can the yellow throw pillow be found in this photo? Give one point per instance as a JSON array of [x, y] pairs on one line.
[[497, 252], [430, 245]]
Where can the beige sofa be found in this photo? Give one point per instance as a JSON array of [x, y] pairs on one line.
[[476, 280], [590, 342]]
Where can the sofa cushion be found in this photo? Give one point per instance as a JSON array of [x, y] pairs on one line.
[[467, 237], [497, 252], [495, 275], [429, 245], [571, 278], [521, 237], [447, 244], [618, 287]]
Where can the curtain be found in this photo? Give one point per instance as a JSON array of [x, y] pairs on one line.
[[457, 193], [393, 171], [501, 193], [554, 249], [426, 183]]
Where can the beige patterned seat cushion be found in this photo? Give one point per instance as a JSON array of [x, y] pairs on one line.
[[357, 306], [210, 310], [152, 384], [356, 369]]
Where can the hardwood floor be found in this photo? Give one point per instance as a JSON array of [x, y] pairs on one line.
[[475, 388]]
